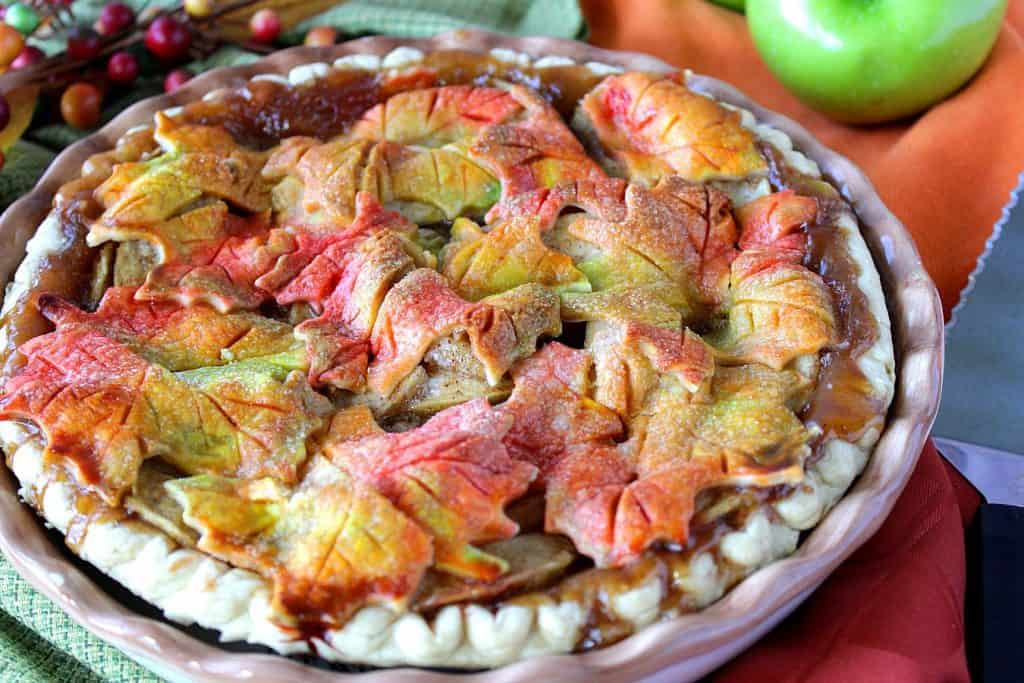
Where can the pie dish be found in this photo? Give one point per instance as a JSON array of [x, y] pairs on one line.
[[444, 358]]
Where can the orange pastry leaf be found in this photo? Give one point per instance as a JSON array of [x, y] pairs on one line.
[[176, 337], [650, 127]]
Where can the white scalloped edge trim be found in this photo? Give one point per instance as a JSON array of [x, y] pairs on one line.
[[192, 587]]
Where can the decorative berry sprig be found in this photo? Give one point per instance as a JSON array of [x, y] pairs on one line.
[[110, 54], [104, 51]]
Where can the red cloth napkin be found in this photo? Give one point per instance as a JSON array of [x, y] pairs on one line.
[[894, 610]]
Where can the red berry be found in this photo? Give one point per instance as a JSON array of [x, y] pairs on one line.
[[123, 67], [176, 79], [265, 26], [28, 56], [5, 112], [80, 105], [115, 18], [2, 160], [83, 43], [168, 38]]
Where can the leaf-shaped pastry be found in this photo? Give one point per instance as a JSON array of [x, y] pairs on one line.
[[331, 545], [452, 475], [536, 150], [434, 117], [176, 337], [614, 502], [779, 309], [673, 242], [631, 358], [511, 253], [650, 126], [774, 219], [747, 427], [596, 498], [250, 418], [552, 409], [691, 426], [104, 409], [342, 273], [592, 491], [399, 152], [198, 162], [421, 308], [84, 391]]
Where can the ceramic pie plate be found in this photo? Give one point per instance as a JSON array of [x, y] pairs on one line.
[[684, 648]]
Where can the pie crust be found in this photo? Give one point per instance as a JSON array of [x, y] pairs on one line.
[[190, 586]]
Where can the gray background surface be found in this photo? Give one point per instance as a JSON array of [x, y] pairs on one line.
[[983, 394]]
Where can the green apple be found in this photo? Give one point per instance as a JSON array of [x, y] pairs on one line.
[[867, 61]]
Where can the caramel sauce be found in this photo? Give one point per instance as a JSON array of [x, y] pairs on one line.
[[63, 273], [843, 403], [267, 111]]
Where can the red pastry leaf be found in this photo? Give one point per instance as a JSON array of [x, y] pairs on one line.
[[84, 392], [551, 408], [595, 498], [178, 338], [773, 218], [421, 309], [452, 475]]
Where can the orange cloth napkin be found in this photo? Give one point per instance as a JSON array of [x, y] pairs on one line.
[[946, 174], [894, 611]]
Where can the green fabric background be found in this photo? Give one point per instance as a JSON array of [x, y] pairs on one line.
[[38, 642]]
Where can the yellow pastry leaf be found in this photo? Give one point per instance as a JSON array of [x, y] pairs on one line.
[[511, 253], [330, 545]]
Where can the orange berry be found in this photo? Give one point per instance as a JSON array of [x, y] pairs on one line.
[[80, 105], [11, 42], [321, 36]]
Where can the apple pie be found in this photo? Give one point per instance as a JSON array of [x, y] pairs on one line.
[[444, 359]]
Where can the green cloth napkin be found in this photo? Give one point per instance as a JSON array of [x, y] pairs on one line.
[[38, 642]]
